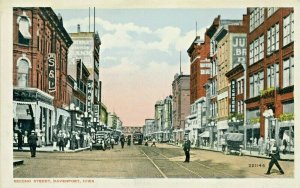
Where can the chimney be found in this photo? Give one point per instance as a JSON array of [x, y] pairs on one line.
[[78, 28]]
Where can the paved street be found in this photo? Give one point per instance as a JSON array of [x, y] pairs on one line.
[[136, 161]]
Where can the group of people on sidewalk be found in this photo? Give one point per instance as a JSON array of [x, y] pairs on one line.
[[74, 141]]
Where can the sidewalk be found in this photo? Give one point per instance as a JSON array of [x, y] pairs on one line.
[[283, 157], [49, 149]]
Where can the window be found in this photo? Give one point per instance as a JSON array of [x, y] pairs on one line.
[[288, 29], [288, 72], [242, 86], [273, 39], [23, 67], [271, 10], [24, 35], [288, 107], [272, 77], [256, 84], [251, 55], [256, 50], [256, 18]]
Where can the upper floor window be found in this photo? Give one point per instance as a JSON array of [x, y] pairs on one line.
[[271, 10], [256, 84], [256, 18], [273, 75], [23, 70], [256, 50], [288, 72], [24, 23], [273, 39], [288, 29]]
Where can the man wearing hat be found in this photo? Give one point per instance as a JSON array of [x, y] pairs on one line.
[[32, 141]]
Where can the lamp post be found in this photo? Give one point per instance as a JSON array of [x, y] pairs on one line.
[[85, 118], [72, 109]]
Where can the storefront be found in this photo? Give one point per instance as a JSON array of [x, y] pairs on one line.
[[33, 110]]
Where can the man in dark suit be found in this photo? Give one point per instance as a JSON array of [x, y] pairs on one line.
[[32, 141], [274, 159], [186, 148]]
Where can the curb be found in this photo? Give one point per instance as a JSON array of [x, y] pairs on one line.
[[262, 157], [51, 151], [18, 162]]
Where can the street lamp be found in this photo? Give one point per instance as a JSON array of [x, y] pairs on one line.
[[86, 117], [73, 110]]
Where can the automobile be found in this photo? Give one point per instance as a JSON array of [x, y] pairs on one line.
[[100, 141], [233, 143]]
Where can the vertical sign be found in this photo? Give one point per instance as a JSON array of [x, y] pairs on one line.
[[89, 96], [233, 96], [239, 50], [96, 112], [51, 72]]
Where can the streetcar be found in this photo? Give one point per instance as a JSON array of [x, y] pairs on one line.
[[137, 138]]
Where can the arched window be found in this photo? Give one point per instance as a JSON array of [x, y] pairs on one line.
[[24, 33], [23, 69]]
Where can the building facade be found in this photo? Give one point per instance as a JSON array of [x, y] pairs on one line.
[[40, 49], [270, 72], [86, 47], [181, 104]]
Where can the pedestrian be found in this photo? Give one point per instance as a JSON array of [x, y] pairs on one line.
[[260, 145], [223, 143], [77, 140], [81, 138], [128, 140], [90, 141], [32, 141], [73, 141], [122, 140], [146, 142], [153, 142], [274, 154], [20, 139], [186, 148], [54, 139], [61, 141], [112, 142], [285, 146]]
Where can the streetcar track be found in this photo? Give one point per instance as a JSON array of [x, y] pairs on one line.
[[222, 172], [175, 163]]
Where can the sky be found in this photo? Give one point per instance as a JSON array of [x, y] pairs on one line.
[[140, 52]]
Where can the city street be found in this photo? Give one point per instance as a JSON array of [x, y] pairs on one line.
[[139, 161]]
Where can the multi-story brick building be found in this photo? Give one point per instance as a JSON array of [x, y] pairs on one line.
[[181, 104], [270, 70], [231, 44], [86, 47], [40, 48]]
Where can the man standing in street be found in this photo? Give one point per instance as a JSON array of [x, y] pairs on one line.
[[274, 159], [32, 141], [186, 148], [61, 140], [122, 140]]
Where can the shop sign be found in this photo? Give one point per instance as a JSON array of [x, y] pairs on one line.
[[239, 50], [51, 72], [89, 96], [233, 96], [96, 111]]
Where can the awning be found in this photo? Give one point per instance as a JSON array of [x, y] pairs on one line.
[[44, 105], [222, 125], [205, 134]]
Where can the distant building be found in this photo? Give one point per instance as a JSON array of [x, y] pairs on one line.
[[181, 104]]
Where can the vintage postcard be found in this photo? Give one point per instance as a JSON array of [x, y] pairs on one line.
[[149, 94]]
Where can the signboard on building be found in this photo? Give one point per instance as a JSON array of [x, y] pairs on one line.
[[89, 94], [239, 50], [233, 96], [51, 72], [96, 112]]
